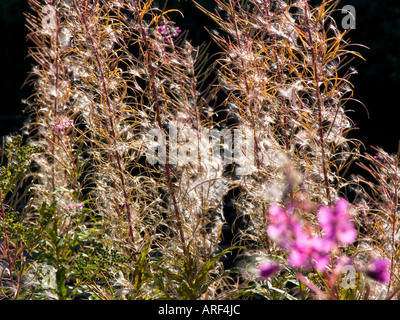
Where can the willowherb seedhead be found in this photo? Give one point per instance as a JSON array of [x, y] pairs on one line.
[[148, 138]]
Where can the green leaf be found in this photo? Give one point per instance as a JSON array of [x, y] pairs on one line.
[[201, 278], [141, 266], [60, 280], [348, 294]]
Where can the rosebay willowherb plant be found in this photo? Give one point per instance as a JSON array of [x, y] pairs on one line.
[[281, 70], [113, 73], [140, 157], [381, 221]]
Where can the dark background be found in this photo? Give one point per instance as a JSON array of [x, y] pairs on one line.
[[376, 85]]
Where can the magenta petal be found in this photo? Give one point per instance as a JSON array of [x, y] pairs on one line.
[[302, 241], [297, 259], [325, 216], [341, 207], [347, 234], [324, 245], [267, 270], [275, 231], [321, 263], [277, 214], [379, 270]]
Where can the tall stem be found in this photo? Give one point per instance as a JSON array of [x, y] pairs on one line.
[[280, 80], [250, 108], [110, 125], [158, 120], [319, 103], [55, 40], [394, 212]]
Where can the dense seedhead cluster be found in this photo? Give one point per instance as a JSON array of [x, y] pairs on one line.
[[135, 158], [281, 73]]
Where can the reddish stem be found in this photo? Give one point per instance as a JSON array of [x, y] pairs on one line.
[[159, 123], [110, 125], [319, 104]]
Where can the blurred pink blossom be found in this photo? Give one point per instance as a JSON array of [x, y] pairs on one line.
[[267, 270], [306, 249], [336, 224], [379, 270]]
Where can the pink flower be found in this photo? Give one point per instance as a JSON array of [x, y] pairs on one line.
[[308, 251], [63, 124], [78, 206], [304, 250], [379, 270], [336, 224], [176, 32], [283, 227], [267, 270], [166, 31], [277, 214], [280, 222], [163, 30]]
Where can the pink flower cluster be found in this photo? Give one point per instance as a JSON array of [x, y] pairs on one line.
[[166, 31], [63, 124], [310, 250], [336, 224], [78, 206]]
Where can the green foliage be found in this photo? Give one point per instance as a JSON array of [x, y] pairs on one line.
[[15, 237], [189, 280], [15, 159]]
